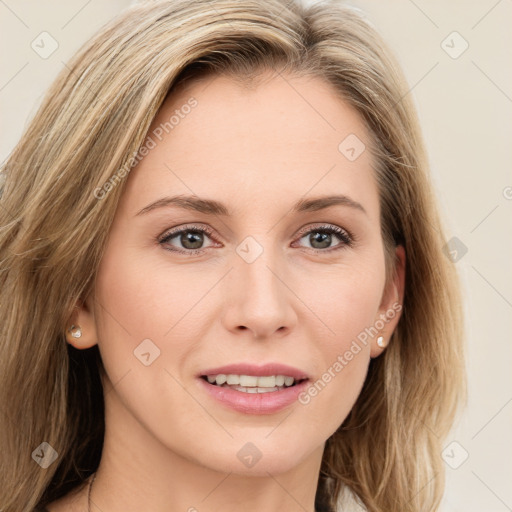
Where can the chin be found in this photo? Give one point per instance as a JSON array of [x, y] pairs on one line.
[[255, 458]]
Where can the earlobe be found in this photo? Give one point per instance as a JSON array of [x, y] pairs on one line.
[[391, 305], [81, 329]]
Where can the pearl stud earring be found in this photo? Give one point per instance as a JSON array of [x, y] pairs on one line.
[[75, 331], [380, 342]]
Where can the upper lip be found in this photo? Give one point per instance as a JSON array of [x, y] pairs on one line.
[[257, 370]]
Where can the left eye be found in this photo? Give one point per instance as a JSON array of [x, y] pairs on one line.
[[192, 238], [321, 237]]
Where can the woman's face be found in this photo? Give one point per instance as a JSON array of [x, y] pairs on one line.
[[263, 276]]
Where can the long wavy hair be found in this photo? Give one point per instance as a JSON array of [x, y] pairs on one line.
[[54, 224]]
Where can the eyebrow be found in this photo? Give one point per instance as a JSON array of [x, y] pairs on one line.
[[212, 207]]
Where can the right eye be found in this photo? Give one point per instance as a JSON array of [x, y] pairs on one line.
[[190, 237]]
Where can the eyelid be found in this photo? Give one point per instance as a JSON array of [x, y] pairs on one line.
[[325, 226], [186, 227]]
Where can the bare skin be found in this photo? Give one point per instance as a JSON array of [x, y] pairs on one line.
[[168, 444]]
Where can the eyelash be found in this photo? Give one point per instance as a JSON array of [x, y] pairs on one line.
[[346, 238]]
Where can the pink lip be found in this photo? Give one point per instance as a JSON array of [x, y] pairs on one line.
[[254, 403], [257, 371]]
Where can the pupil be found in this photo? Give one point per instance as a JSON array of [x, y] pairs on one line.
[[323, 239]]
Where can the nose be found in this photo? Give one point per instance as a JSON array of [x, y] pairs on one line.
[[259, 298]]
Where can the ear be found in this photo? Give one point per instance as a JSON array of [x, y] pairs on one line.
[[82, 318], [391, 305]]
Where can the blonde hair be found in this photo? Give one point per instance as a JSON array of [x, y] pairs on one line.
[[93, 119]]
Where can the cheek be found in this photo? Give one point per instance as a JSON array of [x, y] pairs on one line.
[[132, 305], [140, 298], [139, 302], [345, 302]]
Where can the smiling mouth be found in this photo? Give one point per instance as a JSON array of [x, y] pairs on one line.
[[252, 383]]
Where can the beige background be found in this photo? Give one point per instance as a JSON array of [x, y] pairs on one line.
[[465, 107]]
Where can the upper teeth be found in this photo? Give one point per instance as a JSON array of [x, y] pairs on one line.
[[251, 380]]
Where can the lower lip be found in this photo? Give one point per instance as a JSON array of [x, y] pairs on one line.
[[254, 403]]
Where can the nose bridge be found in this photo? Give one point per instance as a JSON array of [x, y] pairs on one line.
[[259, 275], [259, 300], [257, 266]]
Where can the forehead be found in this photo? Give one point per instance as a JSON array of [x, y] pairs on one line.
[[216, 137]]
